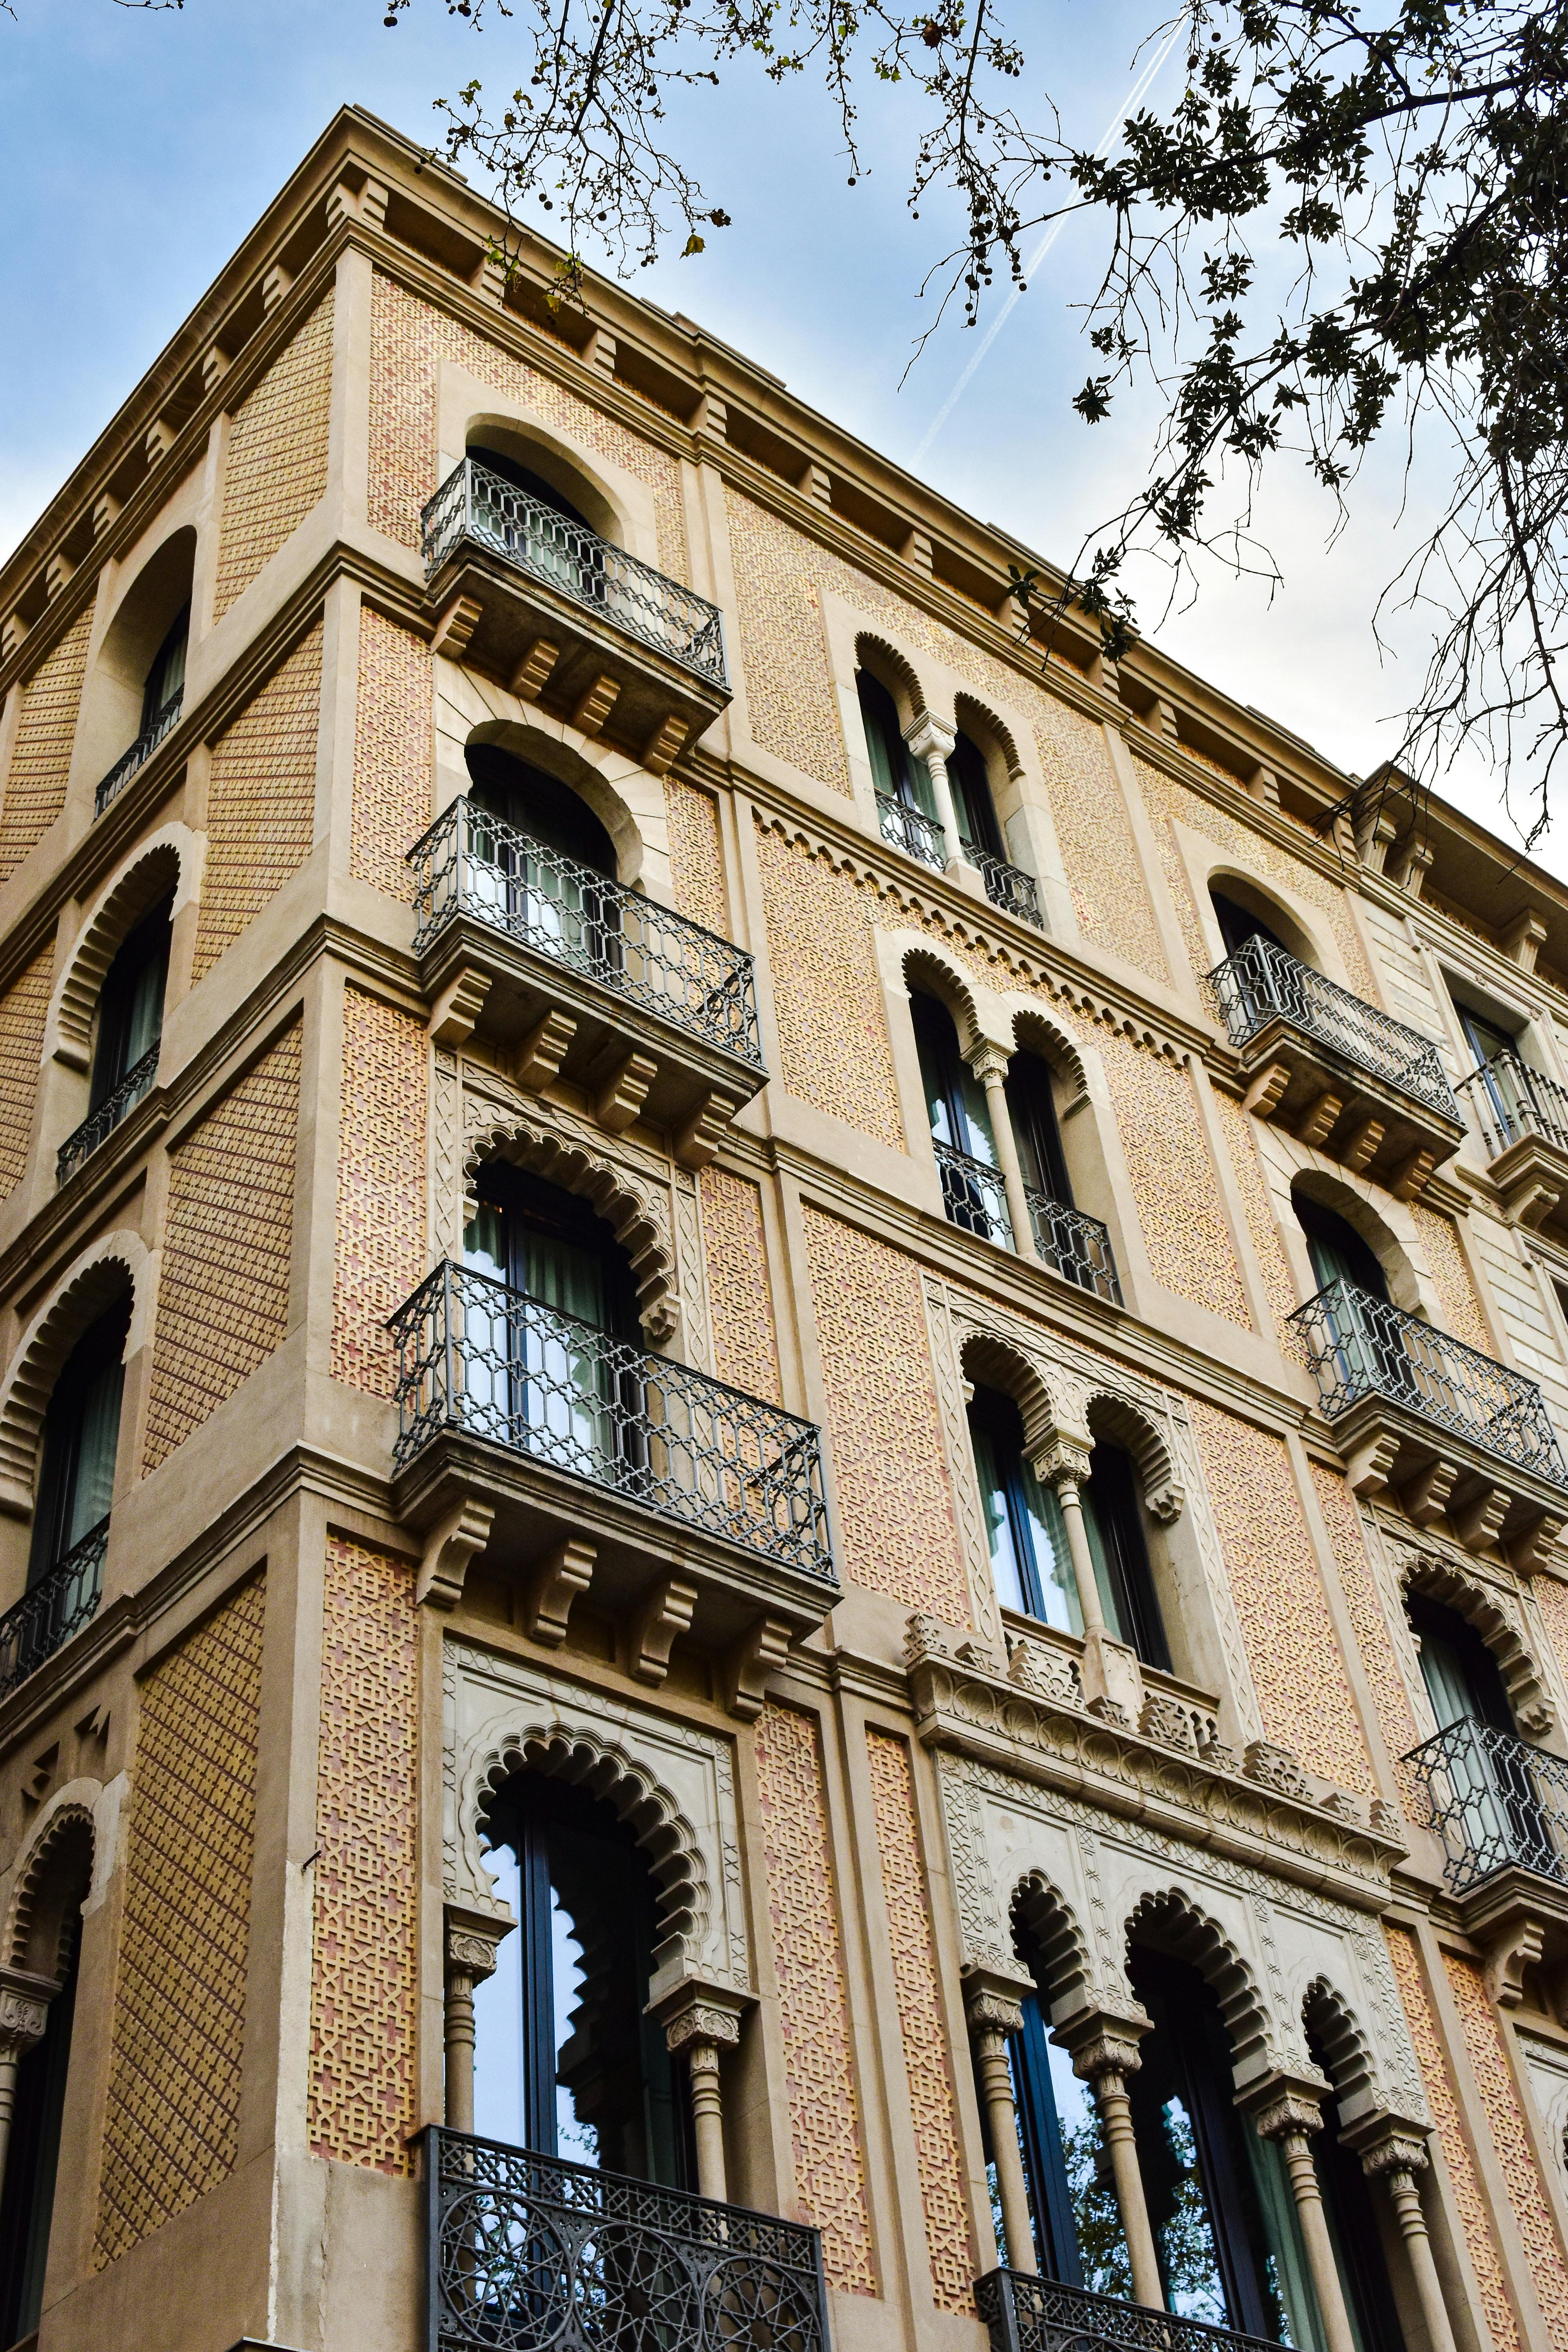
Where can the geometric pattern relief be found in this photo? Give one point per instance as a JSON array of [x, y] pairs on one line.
[[171, 2130], [1526, 2192], [829, 2166], [276, 465], [364, 1882], [1373, 1640], [827, 999], [41, 755], [393, 723], [228, 1245], [22, 1011], [261, 800], [1451, 1274], [932, 2104], [381, 1158], [745, 1345], [1238, 1130], [1181, 1211], [697, 860]]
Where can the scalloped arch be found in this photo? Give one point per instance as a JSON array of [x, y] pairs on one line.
[[573, 1163], [44, 1899], [1113, 1414], [935, 968], [899, 668], [1066, 1963], [92, 1284], [167, 860], [1170, 1921], [1347, 2053], [970, 713], [1439, 1579]]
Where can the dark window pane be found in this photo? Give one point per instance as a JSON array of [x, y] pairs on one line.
[[972, 804], [523, 478], [1337, 1251], [81, 1429], [1237, 924]]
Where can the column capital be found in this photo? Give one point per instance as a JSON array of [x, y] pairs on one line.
[[927, 735], [1062, 1461], [993, 1999], [1388, 2143], [1286, 2109], [1104, 2042], [470, 1945], [988, 1061], [24, 2010], [700, 2016]]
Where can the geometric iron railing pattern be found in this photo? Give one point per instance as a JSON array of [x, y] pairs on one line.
[[146, 744], [1359, 1345], [47, 1617], [1077, 1246], [471, 863], [84, 1140], [1009, 887], [475, 504], [974, 1194], [529, 2253], [476, 1355], [1040, 2315], [1496, 1803], [911, 830], [1511, 1100], [1261, 983]]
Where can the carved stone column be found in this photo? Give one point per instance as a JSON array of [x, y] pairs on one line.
[[991, 2009], [1289, 2114], [1396, 2154], [989, 1064], [23, 2014], [1065, 1467], [704, 2020], [472, 1941], [1104, 2053], [931, 741]]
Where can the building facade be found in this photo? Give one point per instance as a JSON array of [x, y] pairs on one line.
[[781, 1495]]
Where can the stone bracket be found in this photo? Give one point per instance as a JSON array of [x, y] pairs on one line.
[[554, 1587], [698, 1141], [622, 1095], [531, 674], [455, 626], [665, 1612], [746, 1664], [663, 746], [459, 1007], [538, 1059], [593, 708], [456, 1537]]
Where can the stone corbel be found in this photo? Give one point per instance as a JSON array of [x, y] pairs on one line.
[[593, 706], [537, 1060], [622, 1095], [1317, 1121], [459, 1007], [666, 1612], [663, 746], [458, 1537], [1363, 1145], [1267, 1089], [698, 1141], [1517, 1945], [554, 1587], [1478, 1521], [531, 674], [1536, 1549], [1426, 1496], [746, 1664], [1368, 1464], [1409, 1178], [455, 626]]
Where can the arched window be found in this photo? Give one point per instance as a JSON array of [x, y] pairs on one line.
[[540, 805], [1237, 924], [1339, 1253], [32, 2158], [131, 1012], [523, 477], [973, 1194], [81, 1435], [165, 681], [1461, 1676], [537, 523], [1031, 1102], [1347, 2197], [533, 850], [972, 804], [906, 804], [565, 2060]]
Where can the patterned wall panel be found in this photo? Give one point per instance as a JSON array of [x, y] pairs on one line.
[[1457, 1303], [392, 741], [931, 2102], [171, 2131], [789, 688], [1526, 2189], [1175, 1183], [827, 998], [276, 468], [261, 800], [223, 1293], [745, 1343], [408, 342], [1094, 834], [380, 1184], [1373, 1641], [829, 2165], [22, 1010], [362, 1995], [895, 1510], [696, 855], [1237, 1125], [41, 755], [1301, 1685]]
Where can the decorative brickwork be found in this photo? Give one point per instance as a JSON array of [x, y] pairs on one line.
[[41, 755], [932, 2104], [381, 1185], [408, 342], [1500, 2098], [789, 688], [695, 854], [1094, 834], [22, 1010], [819, 2078], [1297, 1671], [1395, 1720], [827, 998], [895, 1509], [261, 800], [1456, 1298], [1237, 1127], [223, 1295], [393, 738], [276, 468], [745, 1343], [1180, 1209], [1552, 1601], [172, 2117], [363, 1992]]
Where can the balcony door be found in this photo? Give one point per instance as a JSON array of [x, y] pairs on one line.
[[81, 1435], [131, 1008], [541, 528], [1508, 1089], [167, 679], [971, 802], [32, 2162], [535, 871], [1237, 924], [972, 1190], [904, 796], [1485, 1763]]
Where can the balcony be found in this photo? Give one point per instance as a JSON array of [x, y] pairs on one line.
[[910, 829], [1343, 1076], [45, 1618], [1418, 1412], [570, 1432], [528, 2250], [100, 1124], [1023, 2313], [1501, 1809], [1523, 1117], [141, 751], [568, 620], [1009, 887], [922, 838], [568, 973], [975, 1197]]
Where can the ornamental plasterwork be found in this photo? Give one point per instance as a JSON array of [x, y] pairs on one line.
[[680, 1781], [1397, 1558], [1002, 1830]]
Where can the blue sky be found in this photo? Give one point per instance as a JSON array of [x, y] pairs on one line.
[[153, 139]]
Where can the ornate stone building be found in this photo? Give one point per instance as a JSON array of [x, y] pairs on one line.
[[780, 1514]]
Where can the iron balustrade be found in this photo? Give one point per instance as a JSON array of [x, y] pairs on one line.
[[1009, 887], [476, 1355], [529, 2252], [974, 1194], [1076, 1246], [98, 1125], [1261, 982], [471, 863], [1496, 1803], [475, 504], [1359, 1345], [910, 829], [1023, 2313], [45, 1618], [1510, 1101], [141, 751]]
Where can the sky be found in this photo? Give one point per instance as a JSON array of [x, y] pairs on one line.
[[154, 138]]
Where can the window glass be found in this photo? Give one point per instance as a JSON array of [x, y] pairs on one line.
[[973, 806], [955, 1100], [1484, 1037], [1337, 1251], [1032, 1105], [523, 477], [1352, 2229], [538, 804], [1237, 924], [27, 2203], [167, 675], [130, 1003], [1121, 1571], [896, 774], [1029, 1558], [81, 1431], [1462, 1677]]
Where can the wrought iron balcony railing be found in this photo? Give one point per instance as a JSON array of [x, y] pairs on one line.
[[528, 2251], [1510, 1101], [1023, 2313], [475, 504], [910, 829], [474, 1355], [142, 750], [1261, 983], [97, 1128], [1496, 1803], [44, 1620], [1009, 887], [1358, 1346], [1078, 1247], [471, 863], [974, 1194]]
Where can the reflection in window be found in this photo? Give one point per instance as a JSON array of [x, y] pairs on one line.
[[1337, 1251], [1352, 2229], [955, 1100], [972, 802], [1237, 924]]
